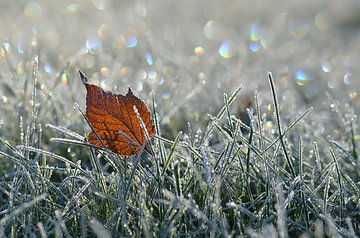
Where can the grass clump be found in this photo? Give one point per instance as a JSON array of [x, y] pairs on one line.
[[270, 176]]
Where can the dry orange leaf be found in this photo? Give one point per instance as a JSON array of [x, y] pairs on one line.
[[113, 118]]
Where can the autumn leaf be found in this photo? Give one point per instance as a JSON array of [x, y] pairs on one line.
[[116, 120]]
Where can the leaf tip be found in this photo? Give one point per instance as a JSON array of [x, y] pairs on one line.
[[83, 78]]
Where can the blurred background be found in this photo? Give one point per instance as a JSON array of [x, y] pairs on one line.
[[189, 53]]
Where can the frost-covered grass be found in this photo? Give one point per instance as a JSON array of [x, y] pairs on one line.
[[237, 152], [267, 173]]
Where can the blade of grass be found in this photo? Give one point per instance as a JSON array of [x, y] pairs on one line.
[[170, 156], [22, 208], [276, 107]]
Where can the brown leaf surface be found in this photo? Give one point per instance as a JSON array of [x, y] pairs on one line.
[[114, 120]]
